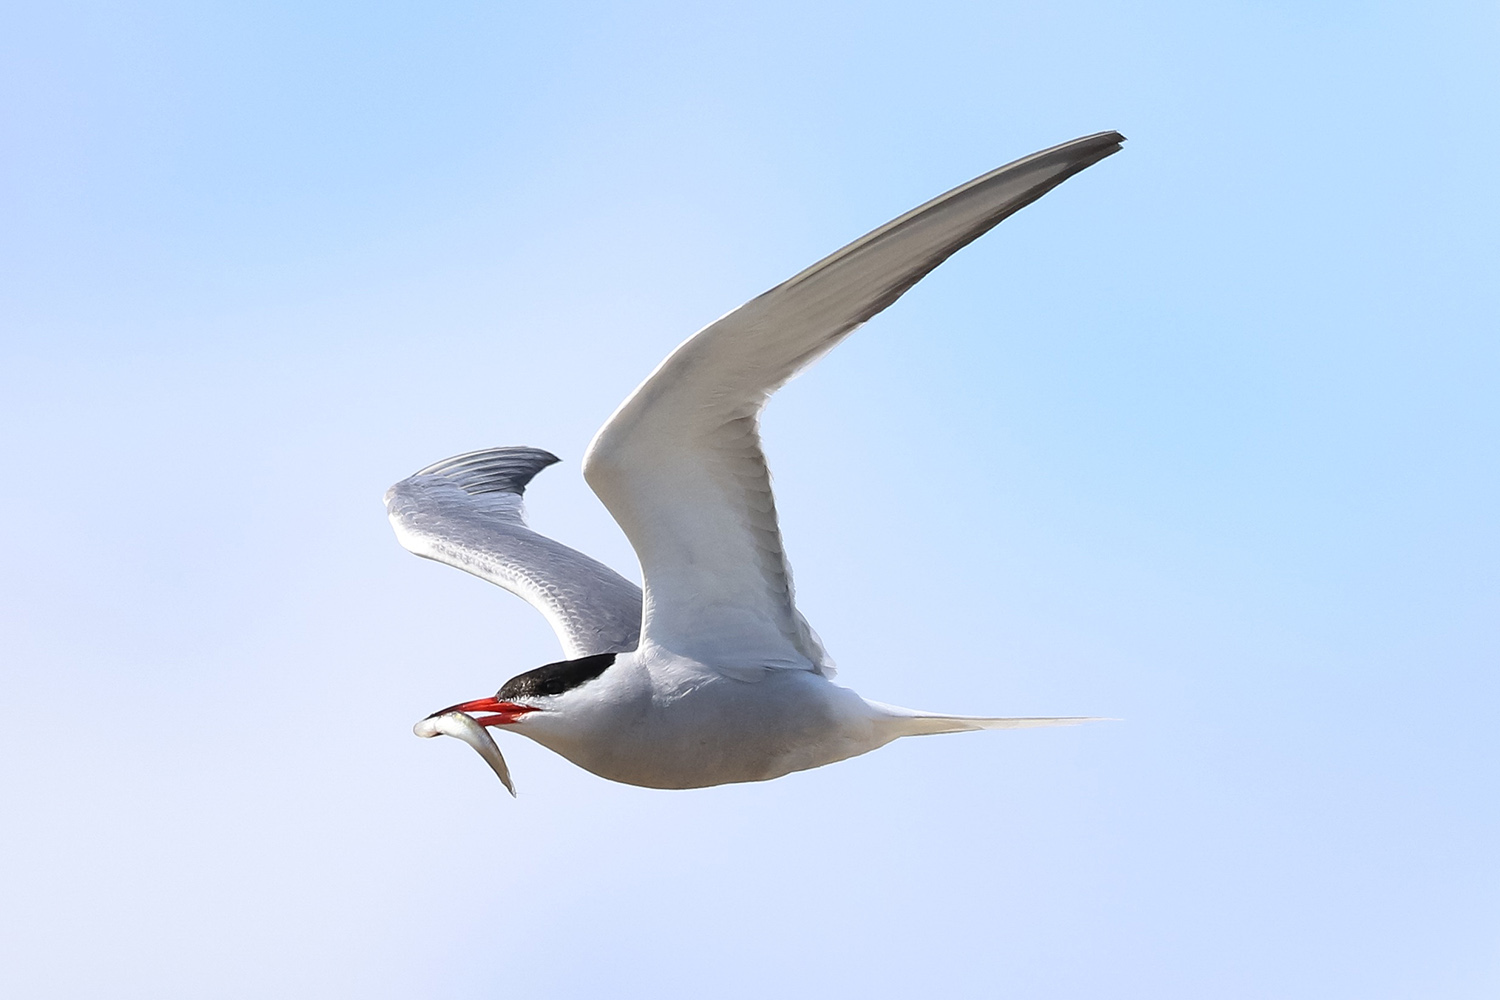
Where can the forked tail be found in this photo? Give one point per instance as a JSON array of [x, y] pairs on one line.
[[909, 722]]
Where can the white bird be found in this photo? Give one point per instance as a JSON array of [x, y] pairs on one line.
[[711, 675]]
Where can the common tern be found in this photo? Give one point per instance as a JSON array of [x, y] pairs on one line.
[[709, 675]]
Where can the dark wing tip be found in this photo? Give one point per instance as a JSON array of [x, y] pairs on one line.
[[492, 470], [1098, 139]]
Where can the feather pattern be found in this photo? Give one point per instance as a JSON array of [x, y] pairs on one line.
[[680, 465], [467, 512]]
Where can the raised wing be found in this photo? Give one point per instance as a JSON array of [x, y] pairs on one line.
[[680, 466], [466, 511]]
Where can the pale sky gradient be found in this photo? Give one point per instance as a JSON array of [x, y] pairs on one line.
[[1207, 440]]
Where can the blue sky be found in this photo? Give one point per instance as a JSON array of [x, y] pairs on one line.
[[1206, 440]]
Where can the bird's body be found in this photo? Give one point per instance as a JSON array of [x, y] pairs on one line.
[[662, 721], [709, 674]]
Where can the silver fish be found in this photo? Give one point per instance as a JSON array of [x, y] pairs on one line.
[[462, 726]]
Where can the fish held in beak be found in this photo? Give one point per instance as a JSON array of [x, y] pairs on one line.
[[465, 727]]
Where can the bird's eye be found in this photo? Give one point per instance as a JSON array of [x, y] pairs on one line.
[[553, 686]]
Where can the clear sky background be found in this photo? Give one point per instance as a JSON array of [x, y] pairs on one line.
[[1206, 440]]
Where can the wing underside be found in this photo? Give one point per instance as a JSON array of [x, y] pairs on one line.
[[467, 512], [680, 465]]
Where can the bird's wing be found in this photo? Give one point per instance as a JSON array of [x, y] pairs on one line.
[[680, 466], [466, 511]]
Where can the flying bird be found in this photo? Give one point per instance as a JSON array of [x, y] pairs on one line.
[[708, 674]]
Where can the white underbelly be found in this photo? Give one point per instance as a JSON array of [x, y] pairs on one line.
[[729, 731]]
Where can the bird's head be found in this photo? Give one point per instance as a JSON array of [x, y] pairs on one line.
[[543, 690]]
